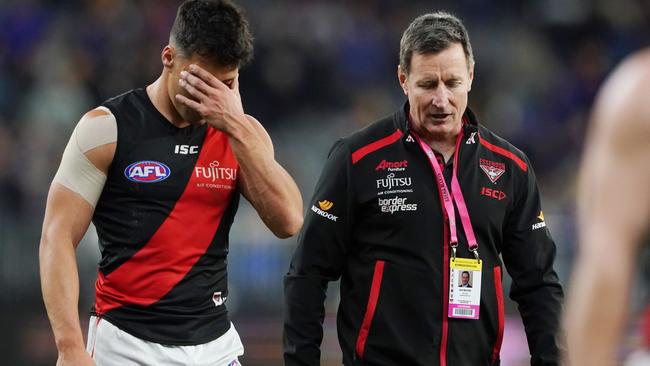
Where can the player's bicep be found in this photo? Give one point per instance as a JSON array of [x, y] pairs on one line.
[[67, 216], [88, 155]]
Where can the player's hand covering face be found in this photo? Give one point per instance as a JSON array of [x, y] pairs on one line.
[[217, 102]]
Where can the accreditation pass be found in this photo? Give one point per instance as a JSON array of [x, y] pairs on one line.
[[464, 288]]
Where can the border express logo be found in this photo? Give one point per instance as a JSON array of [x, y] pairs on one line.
[[494, 170], [396, 204], [147, 171], [325, 205]]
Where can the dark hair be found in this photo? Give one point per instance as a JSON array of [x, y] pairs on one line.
[[464, 273], [433, 33], [213, 29]]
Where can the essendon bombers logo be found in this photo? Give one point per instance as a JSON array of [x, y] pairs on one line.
[[494, 170]]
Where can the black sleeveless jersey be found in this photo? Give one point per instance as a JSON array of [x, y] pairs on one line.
[[163, 220]]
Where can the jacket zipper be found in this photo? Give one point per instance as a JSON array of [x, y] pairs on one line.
[[370, 309], [445, 268], [445, 294]]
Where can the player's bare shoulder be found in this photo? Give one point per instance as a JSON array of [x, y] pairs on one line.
[[96, 135], [89, 154], [621, 111]]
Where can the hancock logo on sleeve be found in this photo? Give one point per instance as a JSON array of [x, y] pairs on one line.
[[215, 176], [392, 166], [324, 205], [493, 169], [541, 224], [395, 204]]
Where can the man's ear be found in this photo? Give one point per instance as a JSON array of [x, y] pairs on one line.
[[402, 77], [167, 56], [471, 76]]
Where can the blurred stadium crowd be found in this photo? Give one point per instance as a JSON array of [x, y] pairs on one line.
[[321, 70]]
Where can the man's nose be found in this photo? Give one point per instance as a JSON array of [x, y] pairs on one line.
[[439, 98]]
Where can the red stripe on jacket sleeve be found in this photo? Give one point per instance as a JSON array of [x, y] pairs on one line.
[[370, 309], [374, 146], [508, 154], [500, 313], [179, 242]]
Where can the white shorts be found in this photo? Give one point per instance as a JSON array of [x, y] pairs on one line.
[[110, 346]]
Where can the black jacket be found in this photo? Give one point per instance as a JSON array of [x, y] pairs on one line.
[[376, 222]]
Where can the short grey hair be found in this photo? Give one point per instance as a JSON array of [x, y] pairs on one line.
[[433, 33]]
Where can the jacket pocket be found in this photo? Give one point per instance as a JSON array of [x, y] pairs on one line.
[[499, 296], [375, 288]]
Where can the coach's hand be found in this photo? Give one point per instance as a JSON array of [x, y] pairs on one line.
[[76, 357], [217, 104]]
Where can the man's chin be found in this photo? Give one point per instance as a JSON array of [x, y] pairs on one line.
[[197, 122], [193, 119]]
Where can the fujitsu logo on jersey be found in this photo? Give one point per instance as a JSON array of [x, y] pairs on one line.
[[147, 171], [214, 172], [391, 181], [392, 166]]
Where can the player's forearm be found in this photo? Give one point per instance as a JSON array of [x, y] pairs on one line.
[[60, 286], [278, 201], [275, 196], [268, 186]]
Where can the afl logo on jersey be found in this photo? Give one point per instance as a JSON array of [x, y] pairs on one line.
[[147, 172]]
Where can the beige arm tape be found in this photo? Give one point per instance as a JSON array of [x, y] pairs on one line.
[[76, 172]]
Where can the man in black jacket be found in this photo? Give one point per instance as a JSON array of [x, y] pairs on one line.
[[406, 205]]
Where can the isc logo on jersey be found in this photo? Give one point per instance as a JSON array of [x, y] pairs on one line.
[[147, 172]]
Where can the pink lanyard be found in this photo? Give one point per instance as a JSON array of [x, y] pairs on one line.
[[456, 195]]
